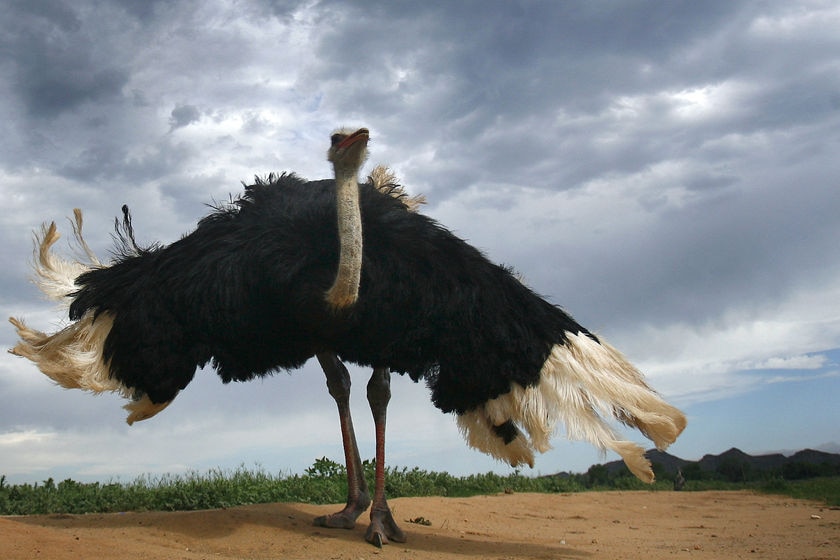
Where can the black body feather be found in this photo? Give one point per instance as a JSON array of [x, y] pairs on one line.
[[245, 292]]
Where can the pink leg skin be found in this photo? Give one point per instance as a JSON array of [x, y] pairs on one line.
[[383, 528], [358, 496]]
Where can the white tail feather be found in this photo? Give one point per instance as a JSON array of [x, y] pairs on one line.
[[143, 409], [54, 275], [582, 383], [72, 357]]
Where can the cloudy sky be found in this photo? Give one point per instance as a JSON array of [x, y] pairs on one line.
[[665, 171]]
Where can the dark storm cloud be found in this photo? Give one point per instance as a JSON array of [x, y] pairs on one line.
[[523, 94], [144, 11], [55, 12], [109, 162], [184, 115], [65, 85], [730, 253], [503, 80], [57, 67]]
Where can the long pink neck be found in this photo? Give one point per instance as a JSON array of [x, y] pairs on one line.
[[345, 289]]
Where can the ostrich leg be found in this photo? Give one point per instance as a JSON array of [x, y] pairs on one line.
[[358, 497], [382, 527]]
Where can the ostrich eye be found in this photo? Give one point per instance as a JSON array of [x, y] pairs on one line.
[[336, 138]]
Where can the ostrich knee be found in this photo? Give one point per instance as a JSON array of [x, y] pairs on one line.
[[338, 379], [379, 392]]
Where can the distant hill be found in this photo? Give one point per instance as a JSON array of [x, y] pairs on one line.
[[829, 447], [732, 458], [736, 456]]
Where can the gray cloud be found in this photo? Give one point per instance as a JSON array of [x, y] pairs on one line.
[[57, 66], [184, 115]]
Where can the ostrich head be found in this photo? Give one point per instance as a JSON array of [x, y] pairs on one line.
[[348, 150]]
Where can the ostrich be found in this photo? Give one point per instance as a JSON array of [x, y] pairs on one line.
[[347, 152], [253, 289]]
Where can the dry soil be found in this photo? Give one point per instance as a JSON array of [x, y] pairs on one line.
[[626, 525]]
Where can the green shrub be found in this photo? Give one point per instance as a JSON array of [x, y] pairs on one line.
[[325, 482]]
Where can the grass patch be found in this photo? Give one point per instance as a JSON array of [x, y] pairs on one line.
[[822, 489], [325, 483]]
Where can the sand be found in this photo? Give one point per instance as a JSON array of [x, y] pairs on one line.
[[626, 525]]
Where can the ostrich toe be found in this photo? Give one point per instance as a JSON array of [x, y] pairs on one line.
[[383, 529]]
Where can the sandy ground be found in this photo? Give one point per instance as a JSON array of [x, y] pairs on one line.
[[627, 525]]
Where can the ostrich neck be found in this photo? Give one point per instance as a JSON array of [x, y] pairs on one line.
[[345, 288]]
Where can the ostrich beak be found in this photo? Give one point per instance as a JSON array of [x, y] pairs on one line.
[[361, 135]]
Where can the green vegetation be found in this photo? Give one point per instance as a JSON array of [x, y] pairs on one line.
[[807, 481], [823, 489], [324, 482]]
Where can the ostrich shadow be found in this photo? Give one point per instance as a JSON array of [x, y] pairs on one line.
[[278, 523]]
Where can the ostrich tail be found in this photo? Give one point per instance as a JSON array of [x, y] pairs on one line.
[[143, 409], [73, 356], [54, 275], [582, 384], [618, 388]]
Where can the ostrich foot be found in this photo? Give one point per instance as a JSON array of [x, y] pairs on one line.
[[383, 529], [346, 518]]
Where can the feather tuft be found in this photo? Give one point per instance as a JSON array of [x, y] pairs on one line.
[[583, 384]]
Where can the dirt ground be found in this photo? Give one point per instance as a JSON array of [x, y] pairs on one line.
[[627, 525]]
